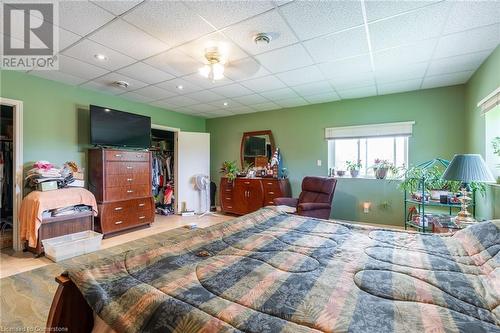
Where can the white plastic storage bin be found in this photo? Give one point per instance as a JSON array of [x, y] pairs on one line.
[[72, 245]]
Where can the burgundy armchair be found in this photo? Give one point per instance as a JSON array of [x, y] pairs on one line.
[[316, 197]]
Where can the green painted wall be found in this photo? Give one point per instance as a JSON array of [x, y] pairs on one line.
[[299, 132], [483, 82], [56, 116]]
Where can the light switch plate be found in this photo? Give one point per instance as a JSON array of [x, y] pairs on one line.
[[319, 162]]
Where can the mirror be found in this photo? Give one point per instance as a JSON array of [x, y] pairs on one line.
[[257, 148]]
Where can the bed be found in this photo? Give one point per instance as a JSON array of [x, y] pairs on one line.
[[274, 272]]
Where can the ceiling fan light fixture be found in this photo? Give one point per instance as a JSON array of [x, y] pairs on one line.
[[213, 72]]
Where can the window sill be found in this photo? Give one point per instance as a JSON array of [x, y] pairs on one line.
[[367, 178]]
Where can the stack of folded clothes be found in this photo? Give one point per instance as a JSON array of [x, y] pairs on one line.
[[44, 171]]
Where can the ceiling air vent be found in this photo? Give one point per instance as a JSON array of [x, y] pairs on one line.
[[262, 38], [121, 84]]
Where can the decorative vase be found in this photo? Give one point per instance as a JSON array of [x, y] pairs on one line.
[[381, 173], [340, 173], [354, 173]]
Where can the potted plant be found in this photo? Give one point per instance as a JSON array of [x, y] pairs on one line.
[[382, 167], [229, 170], [353, 167]]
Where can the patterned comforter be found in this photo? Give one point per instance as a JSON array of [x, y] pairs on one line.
[[273, 272]]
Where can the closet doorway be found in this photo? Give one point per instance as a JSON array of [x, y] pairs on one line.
[[164, 169], [11, 171]]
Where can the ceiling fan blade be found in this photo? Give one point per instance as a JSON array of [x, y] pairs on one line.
[[242, 69]]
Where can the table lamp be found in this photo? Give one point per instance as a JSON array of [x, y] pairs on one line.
[[467, 168]]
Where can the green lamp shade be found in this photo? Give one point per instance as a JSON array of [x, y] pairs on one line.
[[468, 168]]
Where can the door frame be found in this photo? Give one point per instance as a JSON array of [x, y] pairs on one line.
[[176, 159], [17, 186]]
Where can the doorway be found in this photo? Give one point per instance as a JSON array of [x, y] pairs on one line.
[[11, 171], [164, 169]]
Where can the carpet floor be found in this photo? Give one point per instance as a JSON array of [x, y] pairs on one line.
[[26, 297]]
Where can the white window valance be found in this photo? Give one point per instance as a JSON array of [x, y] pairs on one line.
[[365, 131], [490, 101]]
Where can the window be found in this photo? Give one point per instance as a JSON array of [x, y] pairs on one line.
[[366, 150], [490, 108], [368, 142]]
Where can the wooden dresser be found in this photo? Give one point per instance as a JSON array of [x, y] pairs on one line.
[[121, 183], [246, 195]]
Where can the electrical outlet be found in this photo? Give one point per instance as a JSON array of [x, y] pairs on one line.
[[318, 162]]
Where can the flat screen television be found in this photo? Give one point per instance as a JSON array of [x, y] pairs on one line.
[[110, 127]]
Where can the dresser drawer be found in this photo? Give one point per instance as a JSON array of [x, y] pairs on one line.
[[126, 192], [128, 168], [271, 185], [130, 179], [118, 155], [145, 204]]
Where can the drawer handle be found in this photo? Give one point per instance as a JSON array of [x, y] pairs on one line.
[[129, 167], [118, 222], [142, 217], [130, 179], [130, 191], [228, 198], [142, 204], [247, 183], [272, 203], [118, 208], [270, 193], [118, 155], [229, 207], [269, 183]]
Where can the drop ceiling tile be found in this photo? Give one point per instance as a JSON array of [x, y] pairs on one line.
[[291, 102], [277, 94], [242, 110], [170, 21], [376, 10], [245, 69], [467, 15], [271, 23], [446, 79], [229, 50], [265, 106], [401, 73], [79, 68], [353, 81], [314, 88], [205, 96], [136, 97], [218, 113], [422, 24], [58, 76], [154, 93], [224, 13], [66, 38], [231, 104], [313, 18], [145, 73], [108, 80], [117, 7], [127, 39], [173, 86], [262, 84], [232, 90], [398, 87], [457, 64], [251, 99], [346, 67], [175, 62], [285, 59], [86, 49], [420, 51], [203, 108], [480, 39], [322, 98], [82, 17], [203, 82], [340, 45], [180, 101], [164, 104], [301, 76], [358, 92]]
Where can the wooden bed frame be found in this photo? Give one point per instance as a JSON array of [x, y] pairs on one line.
[[69, 310]]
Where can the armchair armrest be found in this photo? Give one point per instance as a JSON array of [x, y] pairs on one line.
[[292, 202], [312, 206]]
